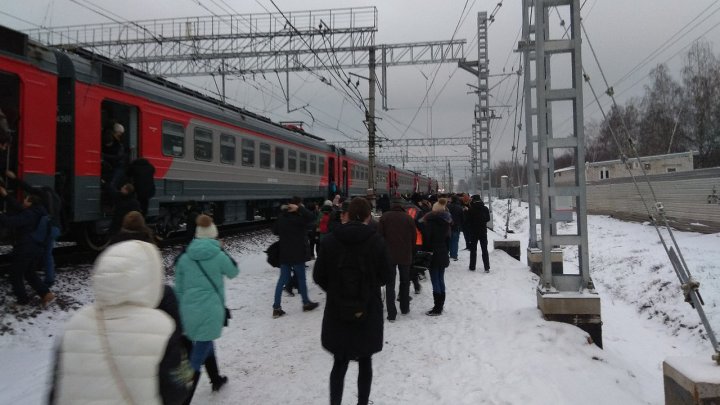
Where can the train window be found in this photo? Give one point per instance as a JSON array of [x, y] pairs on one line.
[[303, 162], [264, 155], [203, 144], [321, 165], [173, 139], [248, 152], [313, 164], [227, 149], [279, 158], [292, 161]]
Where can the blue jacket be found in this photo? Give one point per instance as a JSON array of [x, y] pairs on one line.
[[201, 298], [24, 222]]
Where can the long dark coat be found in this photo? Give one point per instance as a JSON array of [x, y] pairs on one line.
[[142, 173], [292, 227], [398, 230], [352, 339], [436, 237], [456, 211], [476, 218]]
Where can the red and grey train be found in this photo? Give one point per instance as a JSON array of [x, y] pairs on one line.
[[226, 159]]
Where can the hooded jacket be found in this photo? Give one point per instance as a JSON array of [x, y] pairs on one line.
[[436, 237], [128, 285], [477, 218], [202, 302], [339, 337], [398, 230], [292, 227]]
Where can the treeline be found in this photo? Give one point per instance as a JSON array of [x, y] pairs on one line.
[[672, 116]]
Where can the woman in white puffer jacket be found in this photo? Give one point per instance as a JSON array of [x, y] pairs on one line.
[[111, 350]]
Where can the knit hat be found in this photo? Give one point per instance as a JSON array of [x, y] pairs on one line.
[[440, 205], [205, 227], [327, 203]]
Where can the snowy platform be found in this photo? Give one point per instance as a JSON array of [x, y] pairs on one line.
[[691, 381]]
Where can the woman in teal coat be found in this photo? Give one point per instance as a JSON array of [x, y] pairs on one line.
[[200, 290]]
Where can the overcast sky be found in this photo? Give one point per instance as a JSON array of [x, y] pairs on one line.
[[624, 33]]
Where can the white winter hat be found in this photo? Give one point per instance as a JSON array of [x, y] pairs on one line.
[[118, 128], [205, 227], [328, 203]]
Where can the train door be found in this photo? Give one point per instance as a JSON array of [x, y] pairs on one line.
[[9, 121], [345, 180], [119, 140], [332, 179]]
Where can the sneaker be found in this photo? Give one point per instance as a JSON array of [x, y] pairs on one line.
[[277, 313], [310, 306], [222, 380], [47, 299]]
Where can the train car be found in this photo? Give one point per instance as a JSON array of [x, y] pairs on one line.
[[223, 159]]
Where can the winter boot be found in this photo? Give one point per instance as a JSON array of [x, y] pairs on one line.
[[441, 304], [436, 309], [216, 379], [196, 378]]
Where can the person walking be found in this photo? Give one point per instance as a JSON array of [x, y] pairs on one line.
[[436, 239], [352, 325], [27, 253], [200, 290], [112, 350], [292, 227], [477, 217], [398, 230], [142, 174], [456, 211]]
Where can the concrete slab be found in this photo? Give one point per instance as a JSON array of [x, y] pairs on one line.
[[691, 381], [581, 309], [535, 256], [511, 247]]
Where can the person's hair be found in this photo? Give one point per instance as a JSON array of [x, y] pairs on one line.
[[129, 187], [440, 204], [34, 199], [359, 209], [296, 200], [134, 221], [203, 220]]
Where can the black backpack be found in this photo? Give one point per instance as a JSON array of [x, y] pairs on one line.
[[353, 284]]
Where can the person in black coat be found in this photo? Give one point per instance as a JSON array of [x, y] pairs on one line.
[[436, 239], [476, 218], [359, 339], [124, 201], [27, 253], [142, 174], [456, 211], [292, 227]]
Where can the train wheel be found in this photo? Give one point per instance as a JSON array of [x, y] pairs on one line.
[[94, 240]]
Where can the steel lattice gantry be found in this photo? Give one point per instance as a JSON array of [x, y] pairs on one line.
[[407, 142], [562, 297], [419, 159]]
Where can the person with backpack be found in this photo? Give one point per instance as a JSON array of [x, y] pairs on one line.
[[53, 205], [398, 230], [27, 252], [436, 239], [200, 290], [351, 267], [291, 227], [142, 174], [477, 217]]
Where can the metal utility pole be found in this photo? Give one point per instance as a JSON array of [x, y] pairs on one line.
[[371, 124], [569, 298], [480, 148]]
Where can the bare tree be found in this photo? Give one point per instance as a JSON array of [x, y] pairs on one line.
[[659, 131], [617, 131], [700, 119]]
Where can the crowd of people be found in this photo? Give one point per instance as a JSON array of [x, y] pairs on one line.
[[149, 341]]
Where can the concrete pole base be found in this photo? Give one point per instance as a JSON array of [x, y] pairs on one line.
[[535, 259], [691, 381], [511, 247]]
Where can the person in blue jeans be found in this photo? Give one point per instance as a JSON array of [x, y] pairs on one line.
[[291, 226]]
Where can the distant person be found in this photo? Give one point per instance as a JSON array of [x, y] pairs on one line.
[[27, 252], [351, 267], [199, 285], [291, 227], [94, 360], [114, 154], [457, 213], [436, 239], [477, 217], [398, 230], [142, 174]]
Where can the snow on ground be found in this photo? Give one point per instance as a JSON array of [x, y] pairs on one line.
[[491, 345]]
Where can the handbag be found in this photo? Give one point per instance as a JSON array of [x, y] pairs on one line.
[[273, 254], [228, 315]]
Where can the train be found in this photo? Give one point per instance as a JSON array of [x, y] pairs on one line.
[[231, 162]]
